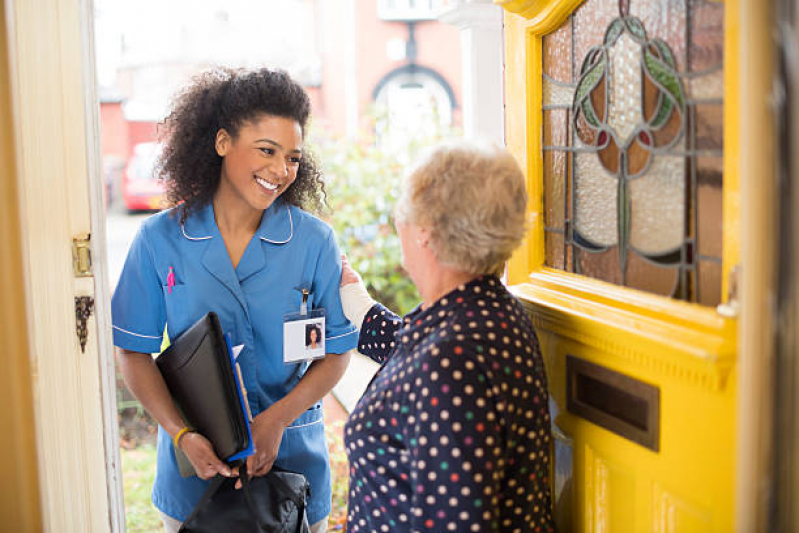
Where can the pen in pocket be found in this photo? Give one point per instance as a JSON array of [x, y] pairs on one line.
[[170, 280]]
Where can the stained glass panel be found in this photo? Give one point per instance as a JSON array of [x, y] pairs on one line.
[[665, 20], [599, 265], [555, 121], [557, 93], [595, 201], [643, 110], [706, 48], [589, 24], [554, 247], [558, 54], [647, 276], [709, 187], [709, 122], [709, 282], [657, 207], [554, 188]]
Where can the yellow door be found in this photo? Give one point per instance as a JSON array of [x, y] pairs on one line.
[[623, 115]]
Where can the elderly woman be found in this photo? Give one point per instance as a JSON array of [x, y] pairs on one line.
[[453, 432]]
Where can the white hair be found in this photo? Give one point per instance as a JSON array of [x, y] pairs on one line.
[[472, 198]]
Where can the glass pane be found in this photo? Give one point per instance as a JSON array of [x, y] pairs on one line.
[[707, 86], [709, 198], [709, 283], [558, 54], [555, 132], [591, 20], [625, 112], [554, 249], [666, 20], [554, 188], [555, 93], [645, 276], [595, 194], [706, 50], [657, 206], [604, 266], [709, 127]]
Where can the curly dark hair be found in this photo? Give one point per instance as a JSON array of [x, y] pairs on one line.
[[308, 329], [229, 98]]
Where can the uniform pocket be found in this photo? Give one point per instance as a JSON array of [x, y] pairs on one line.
[[312, 416], [179, 309]]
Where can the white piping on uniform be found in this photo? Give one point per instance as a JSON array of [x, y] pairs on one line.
[[183, 230], [291, 230], [306, 425], [136, 334], [342, 335]]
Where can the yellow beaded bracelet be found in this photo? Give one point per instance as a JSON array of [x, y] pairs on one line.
[[179, 434]]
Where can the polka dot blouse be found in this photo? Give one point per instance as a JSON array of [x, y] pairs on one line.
[[452, 433]]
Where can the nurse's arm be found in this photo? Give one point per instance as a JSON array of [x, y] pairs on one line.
[[321, 377], [268, 426], [146, 383]]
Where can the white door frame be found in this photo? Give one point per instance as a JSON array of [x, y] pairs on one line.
[[57, 141]]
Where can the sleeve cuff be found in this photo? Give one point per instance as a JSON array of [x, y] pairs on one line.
[[136, 342], [356, 302], [342, 342]]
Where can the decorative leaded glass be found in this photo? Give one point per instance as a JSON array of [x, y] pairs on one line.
[[632, 135]]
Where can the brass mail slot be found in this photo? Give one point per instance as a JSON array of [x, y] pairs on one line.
[[618, 403]]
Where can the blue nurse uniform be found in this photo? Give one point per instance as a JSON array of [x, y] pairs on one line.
[[291, 250]]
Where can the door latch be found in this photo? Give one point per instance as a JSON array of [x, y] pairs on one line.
[[84, 305], [82, 255]]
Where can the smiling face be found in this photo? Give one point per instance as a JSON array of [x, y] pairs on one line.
[[261, 162], [313, 335]]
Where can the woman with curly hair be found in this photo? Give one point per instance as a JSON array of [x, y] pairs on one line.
[[238, 241]]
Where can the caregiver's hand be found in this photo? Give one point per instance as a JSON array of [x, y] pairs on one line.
[[202, 457], [355, 299], [267, 432], [348, 275]]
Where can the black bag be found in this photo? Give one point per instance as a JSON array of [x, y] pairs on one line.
[[274, 503]]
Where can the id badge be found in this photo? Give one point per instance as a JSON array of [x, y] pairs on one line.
[[304, 334]]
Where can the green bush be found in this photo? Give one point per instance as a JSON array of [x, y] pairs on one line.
[[363, 184]]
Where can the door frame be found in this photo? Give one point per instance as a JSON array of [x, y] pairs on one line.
[[59, 177]]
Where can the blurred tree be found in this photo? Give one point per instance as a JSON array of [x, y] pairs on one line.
[[363, 184]]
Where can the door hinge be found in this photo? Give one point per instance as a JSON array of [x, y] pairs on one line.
[[82, 255]]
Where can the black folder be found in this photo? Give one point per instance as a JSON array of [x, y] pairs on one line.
[[204, 382]]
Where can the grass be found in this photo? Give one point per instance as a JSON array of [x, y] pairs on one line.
[[138, 471], [340, 473]]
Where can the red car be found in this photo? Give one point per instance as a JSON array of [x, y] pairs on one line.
[[141, 188]]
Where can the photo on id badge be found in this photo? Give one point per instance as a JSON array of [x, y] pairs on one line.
[[304, 336]]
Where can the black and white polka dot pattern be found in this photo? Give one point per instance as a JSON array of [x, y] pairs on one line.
[[453, 432]]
